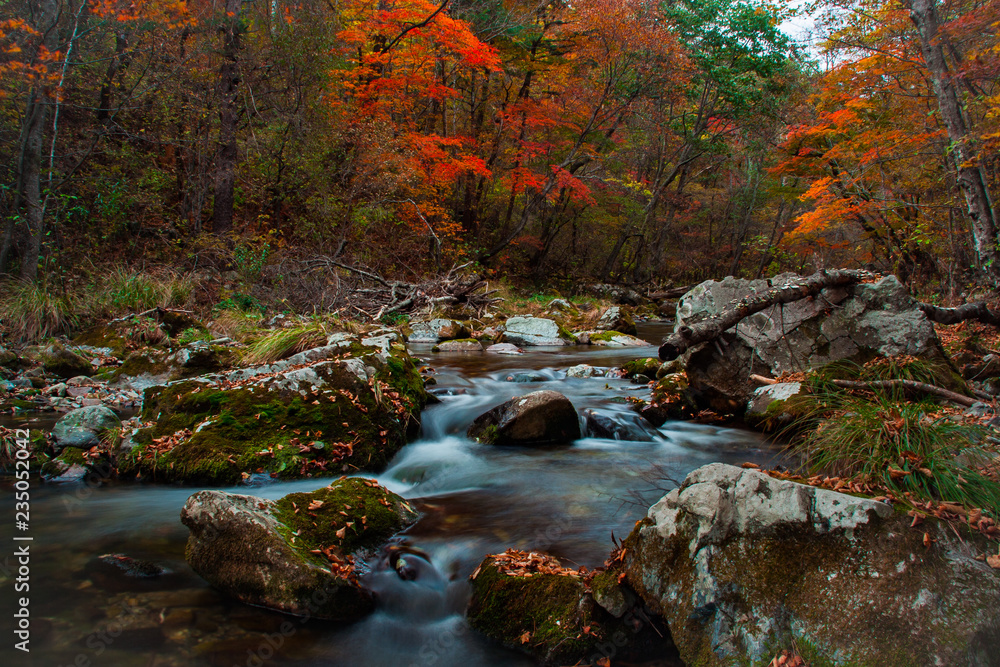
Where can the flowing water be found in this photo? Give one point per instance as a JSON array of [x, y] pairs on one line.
[[475, 500]]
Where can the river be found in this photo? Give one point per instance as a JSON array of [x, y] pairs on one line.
[[475, 500]]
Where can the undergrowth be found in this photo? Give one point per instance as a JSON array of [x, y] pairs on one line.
[[284, 342], [906, 446]]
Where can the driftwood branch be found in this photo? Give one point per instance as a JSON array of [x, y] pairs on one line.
[[710, 329], [970, 311], [672, 293], [911, 385]]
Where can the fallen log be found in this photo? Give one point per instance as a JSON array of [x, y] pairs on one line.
[[710, 329], [911, 385], [970, 311]]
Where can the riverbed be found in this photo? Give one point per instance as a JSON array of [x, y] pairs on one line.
[[570, 501]]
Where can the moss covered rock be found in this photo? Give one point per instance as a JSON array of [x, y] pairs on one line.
[[644, 368], [64, 363], [299, 554], [775, 406], [612, 339], [316, 413], [83, 427], [528, 601], [617, 318], [743, 565]]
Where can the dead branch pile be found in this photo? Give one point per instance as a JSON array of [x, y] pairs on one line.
[[374, 296]]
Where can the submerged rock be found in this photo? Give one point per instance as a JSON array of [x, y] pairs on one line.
[[300, 554], [83, 427], [538, 418], [742, 564]]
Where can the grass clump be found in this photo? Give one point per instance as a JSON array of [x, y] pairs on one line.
[[904, 446], [32, 311], [123, 291], [284, 342]]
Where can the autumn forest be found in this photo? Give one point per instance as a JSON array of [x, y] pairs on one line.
[[621, 141]]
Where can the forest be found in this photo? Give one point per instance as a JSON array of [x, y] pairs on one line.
[[622, 141]]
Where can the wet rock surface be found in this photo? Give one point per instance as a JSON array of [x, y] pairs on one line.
[[538, 418], [301, 554]]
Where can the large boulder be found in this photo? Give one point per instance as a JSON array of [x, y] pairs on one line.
[[437, 330], [320, 412], [83, 427], [538, 418], [856, 323], [301, 554], [535, 331], [742, 565]]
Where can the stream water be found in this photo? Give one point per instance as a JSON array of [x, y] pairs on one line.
[[475, 500]]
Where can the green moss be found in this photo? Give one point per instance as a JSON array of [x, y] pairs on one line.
[[545, 606], [367, 513], [104, 335], [566, 334], [489, 435], [255, 429], [605, 336], [644, 367], [143, 362], [67, 457]]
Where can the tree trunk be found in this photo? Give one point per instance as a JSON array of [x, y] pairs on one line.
[[29, 163], [970, 175], [226, 156]]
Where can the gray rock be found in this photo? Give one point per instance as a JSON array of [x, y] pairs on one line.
[[538, 418], [534, 331], [83, 427], [854, 323], [760, 563], [262, 551], [437, 330], [772, 405], [504, 348], [616, 319], [611, 339], [559, 304], [584, 371], [467, 345]]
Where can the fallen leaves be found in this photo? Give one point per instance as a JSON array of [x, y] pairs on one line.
[[516, 563], [788, 659]]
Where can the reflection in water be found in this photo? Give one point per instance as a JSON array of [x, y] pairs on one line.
[[475, 500]]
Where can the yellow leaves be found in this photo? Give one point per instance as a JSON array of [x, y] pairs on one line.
[[315, 505]]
